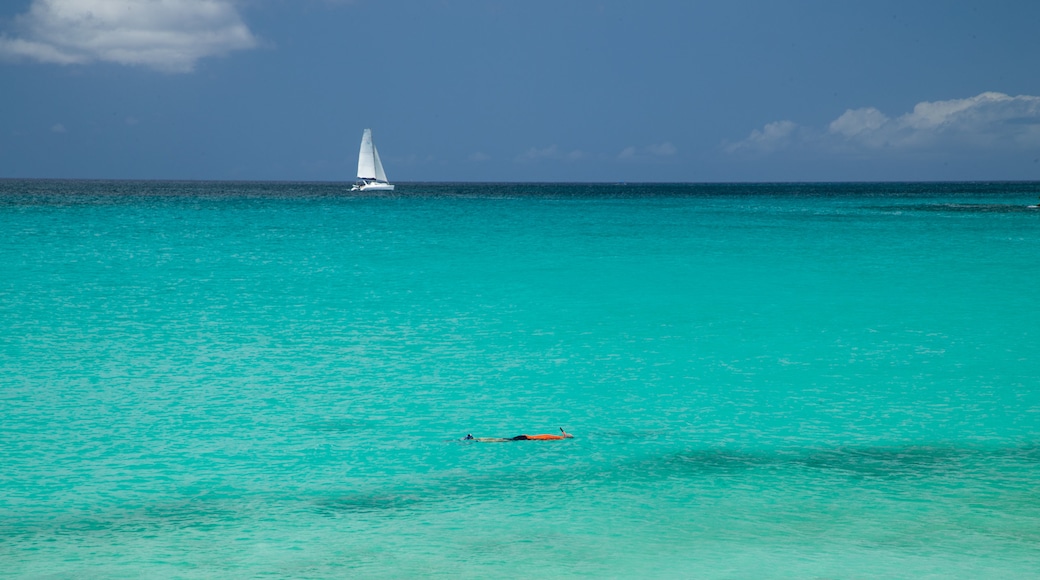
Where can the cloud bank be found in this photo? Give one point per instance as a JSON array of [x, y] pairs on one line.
[[166, 35], [989, 121]]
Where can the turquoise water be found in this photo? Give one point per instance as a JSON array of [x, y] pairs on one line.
[[206, 380]]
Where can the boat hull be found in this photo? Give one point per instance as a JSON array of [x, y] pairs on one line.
[[373, 187]]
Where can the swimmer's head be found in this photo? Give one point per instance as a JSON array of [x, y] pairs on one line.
[[469, 436]]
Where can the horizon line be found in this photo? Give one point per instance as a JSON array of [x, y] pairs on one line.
[[619, 183]]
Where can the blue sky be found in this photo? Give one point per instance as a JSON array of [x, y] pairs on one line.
[[465, 90]]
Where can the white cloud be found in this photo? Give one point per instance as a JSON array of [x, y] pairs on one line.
[[58, 128], [771, 136], [479, 156], [931, 115], [986, 121], [166, 35], [857, 121]]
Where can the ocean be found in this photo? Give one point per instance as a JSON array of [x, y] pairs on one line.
[[227, 380]]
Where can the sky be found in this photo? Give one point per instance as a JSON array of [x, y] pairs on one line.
[[532, 90]]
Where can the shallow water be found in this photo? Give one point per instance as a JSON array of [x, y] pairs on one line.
[[785, 381]]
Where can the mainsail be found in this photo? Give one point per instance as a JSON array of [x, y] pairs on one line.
[[366, 162]]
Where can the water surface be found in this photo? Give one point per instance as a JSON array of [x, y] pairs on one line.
[[764, 381]]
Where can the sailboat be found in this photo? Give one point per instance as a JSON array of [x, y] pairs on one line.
[[371, 176]]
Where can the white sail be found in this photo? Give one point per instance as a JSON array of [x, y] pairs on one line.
[[366, 164], [369, 168], [380, 174]]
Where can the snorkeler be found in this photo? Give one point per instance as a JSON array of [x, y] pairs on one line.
[[542, 437]]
